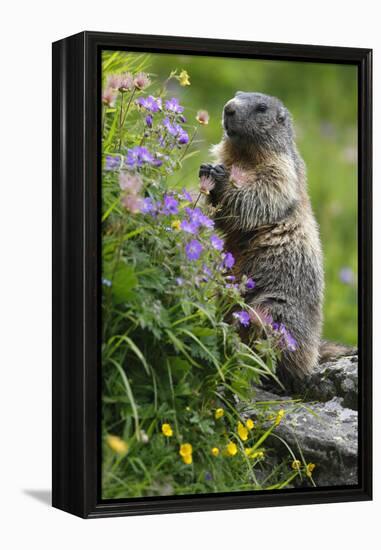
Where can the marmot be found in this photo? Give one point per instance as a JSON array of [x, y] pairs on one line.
[[264, 211]]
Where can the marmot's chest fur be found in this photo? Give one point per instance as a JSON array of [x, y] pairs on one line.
[[261, 205]]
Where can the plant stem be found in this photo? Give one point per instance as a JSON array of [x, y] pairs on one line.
[[189, 144], [198, 198], [120, 122], [128, 106]]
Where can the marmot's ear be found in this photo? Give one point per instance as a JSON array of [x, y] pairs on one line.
[[281, 115]]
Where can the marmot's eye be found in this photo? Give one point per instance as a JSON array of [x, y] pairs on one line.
[[261, 107]]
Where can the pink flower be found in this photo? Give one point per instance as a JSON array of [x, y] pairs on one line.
[[133, 203], [237, 176], [261, 316], [141, 81], [113, 81], [206, 184], [130, 182], [126, 82], [202, 117], [109, 97]]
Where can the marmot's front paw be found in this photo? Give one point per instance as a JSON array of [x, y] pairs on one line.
[[204, 171], [219, 173]]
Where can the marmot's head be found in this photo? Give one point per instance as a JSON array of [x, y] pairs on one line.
[[258, 119]]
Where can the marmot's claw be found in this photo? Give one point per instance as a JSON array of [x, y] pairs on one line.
[[219, 173], [205, 170]]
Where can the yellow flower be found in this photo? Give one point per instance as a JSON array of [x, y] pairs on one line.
[[187, 459], [242, 431], [186, 453], [254, 454], [249, 424], [219, 413], [231, 449], [258, 454], [215, 451], [296, 464], [279, 417], [310, 468], [183, 78], [185, 449], [117, 444], [167, 430], [176, 224]]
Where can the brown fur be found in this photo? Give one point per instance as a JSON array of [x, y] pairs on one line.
[[269, 226]]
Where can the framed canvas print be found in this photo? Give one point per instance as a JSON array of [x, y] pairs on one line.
[[211, 274]]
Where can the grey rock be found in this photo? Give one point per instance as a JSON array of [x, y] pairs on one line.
[[336, 379], [325, 426]]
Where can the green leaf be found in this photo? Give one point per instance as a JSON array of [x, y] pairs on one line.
[[123, 283]]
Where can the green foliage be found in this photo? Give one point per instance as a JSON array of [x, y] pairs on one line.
[[172, 357]]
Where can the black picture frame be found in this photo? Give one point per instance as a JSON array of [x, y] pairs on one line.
[[76, 272]]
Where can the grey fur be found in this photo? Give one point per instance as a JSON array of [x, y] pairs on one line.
[[268, 222]]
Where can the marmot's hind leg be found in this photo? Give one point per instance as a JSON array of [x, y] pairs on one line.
[[299, 359]]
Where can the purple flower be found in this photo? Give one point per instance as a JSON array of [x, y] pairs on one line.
[[148, 206], [288, 340], [347, 276], [112, 163], [197, 217], [171, 128], [137, 156], [250, 284], [157, 162], [176, 130], [182, 136], [145, 155], [149, 120], [170, 205], [174, 105], [149, 103], [186, 196], [229, 260], [193, 249], [206, 222], [216, 242], [189, 227], [230, 278], [179, 281], [243, 317], [207, 273]]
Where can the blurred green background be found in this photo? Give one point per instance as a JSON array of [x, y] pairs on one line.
[[323, 101]]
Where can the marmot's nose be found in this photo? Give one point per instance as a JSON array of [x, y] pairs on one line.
[[229, 109]]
